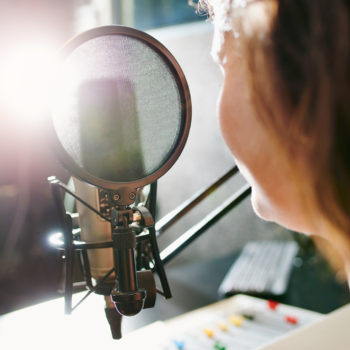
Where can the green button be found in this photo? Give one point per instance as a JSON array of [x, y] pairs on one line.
[[219, 346]]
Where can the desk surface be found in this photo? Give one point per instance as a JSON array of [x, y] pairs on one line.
[[193, 286]]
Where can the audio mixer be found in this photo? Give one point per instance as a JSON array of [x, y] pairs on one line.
[[237, 323]]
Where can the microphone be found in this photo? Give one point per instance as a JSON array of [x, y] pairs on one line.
[[120, 119]]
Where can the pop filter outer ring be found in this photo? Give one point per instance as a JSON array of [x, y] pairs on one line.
[[183, 91]]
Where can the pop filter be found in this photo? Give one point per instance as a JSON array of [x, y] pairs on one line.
[[121, 109], [121, 114]]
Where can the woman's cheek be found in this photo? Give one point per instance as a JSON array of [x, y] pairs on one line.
[[224, 115], [229, 114]]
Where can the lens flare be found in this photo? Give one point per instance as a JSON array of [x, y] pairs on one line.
[[26, 73]]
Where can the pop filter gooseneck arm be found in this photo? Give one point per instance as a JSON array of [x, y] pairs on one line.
[[195, 231]]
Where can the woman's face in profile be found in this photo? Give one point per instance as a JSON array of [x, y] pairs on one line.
[[276, 194]]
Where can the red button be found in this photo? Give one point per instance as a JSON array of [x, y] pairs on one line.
[[272, 304], [291, 319]]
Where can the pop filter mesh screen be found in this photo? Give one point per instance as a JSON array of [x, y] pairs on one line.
[[117, 111]]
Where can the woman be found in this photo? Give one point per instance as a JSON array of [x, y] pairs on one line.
[[285, 108]]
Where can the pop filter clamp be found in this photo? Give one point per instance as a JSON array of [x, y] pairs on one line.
[[122, 79]]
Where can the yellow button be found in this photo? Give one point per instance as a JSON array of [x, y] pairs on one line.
[[236, 320], [209, 332], [223, 326]]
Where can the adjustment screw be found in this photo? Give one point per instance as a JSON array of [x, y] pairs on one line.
[[132, 195], [116, 197]]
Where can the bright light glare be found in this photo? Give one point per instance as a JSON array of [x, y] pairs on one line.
[[26, 73], [55, 239]]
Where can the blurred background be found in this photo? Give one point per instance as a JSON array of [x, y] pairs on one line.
[[31, 32]]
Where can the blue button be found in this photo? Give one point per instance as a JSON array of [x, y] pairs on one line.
[[179, 344]]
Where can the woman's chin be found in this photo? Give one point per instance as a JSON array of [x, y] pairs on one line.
[[266, 211], [260, 207]]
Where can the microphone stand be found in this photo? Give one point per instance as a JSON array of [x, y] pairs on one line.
[[132, 229], [133, 286]]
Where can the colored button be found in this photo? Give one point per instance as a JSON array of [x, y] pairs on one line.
[[223, 326], [249, 317], [236, 320], [209, 332], [180, 345], [272, 305], [291, 319], [219, 346]]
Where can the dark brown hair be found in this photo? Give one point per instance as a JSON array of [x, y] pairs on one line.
[[308, 62], [304, 65]]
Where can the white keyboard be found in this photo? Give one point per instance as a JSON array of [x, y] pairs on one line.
[[263, 267]]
